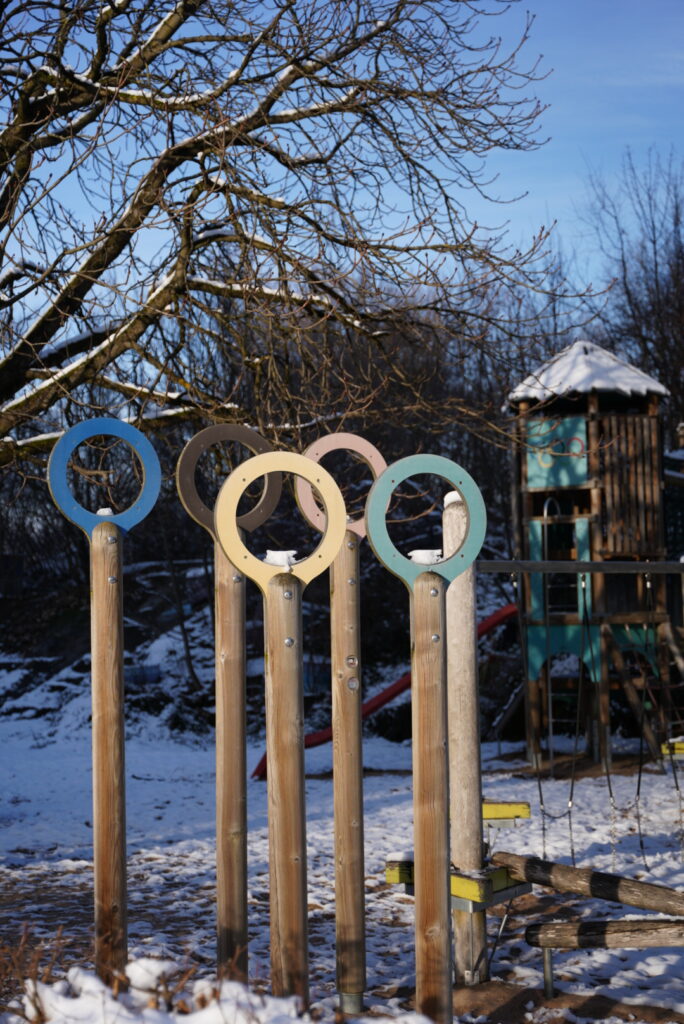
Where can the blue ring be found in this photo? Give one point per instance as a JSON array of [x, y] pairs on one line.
[[376, 510], [59, 486]]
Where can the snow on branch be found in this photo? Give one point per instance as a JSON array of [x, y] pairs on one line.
[[28, 448]]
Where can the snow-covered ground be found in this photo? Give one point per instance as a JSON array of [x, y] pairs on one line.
[[45, 858]]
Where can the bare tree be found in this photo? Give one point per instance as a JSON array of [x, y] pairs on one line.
[[203, 203], [640, 233]]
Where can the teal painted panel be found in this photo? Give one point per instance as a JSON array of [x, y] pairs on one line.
[[583, 546], [557, 456], [536, 579], [563, 640], [571, 639]]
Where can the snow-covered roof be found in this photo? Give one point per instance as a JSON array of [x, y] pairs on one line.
[[583, 367]]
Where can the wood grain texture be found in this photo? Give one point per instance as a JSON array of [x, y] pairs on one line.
[[587, 882], [286, 796], [231, 769], [109, 795], [345, 629], [430, 798], [593, 933], [470, 930]]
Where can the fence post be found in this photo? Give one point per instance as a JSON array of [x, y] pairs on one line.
[[429, 715], [430, 797], [286, 799], [282, 594], [105, 531], [109, 785], [470, 930], [345, 643], [231, 726], [348, 775], [231, 768]]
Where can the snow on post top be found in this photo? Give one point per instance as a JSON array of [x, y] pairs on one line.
[[425, 556], [284, 558], [581, 368]]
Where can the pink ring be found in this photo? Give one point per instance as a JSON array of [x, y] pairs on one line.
[[330, 443]]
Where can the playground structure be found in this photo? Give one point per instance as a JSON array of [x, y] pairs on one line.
[[588, 488], [435, 758], [281, 586]]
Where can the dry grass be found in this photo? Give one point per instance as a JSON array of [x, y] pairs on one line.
[[30, 960]]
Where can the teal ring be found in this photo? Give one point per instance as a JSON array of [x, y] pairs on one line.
[[59, 485], [376, 511]]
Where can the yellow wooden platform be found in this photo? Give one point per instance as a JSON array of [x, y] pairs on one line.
[[674, 747], [468, 892], [472, 892], [508, 810]]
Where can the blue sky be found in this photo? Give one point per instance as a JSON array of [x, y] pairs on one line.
[[616, 80]]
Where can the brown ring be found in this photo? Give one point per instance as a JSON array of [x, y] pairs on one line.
[[185, 475], [330, 443]]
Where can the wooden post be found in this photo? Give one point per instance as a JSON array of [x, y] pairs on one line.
[[286, 798], [109, 799], [672, 642], [106, 632], [431, 797], [284, 672], [429, 716], [348, 775], [470, 930], [602, 705], [229, 620], [231, 768], [602, 692], [634, 699], [533, 720], [346, 724], [532, 695], [549, 988]]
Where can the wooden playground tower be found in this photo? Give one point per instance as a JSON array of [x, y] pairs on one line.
[[587, 487]]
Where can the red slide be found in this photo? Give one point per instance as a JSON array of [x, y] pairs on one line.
[[315, 739]]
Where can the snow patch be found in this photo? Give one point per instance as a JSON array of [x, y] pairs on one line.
[[146, 974]]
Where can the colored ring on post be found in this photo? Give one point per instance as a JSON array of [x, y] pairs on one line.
[[330, 443], [226, 523], [59, 462], [376, 510], [185, 475]]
